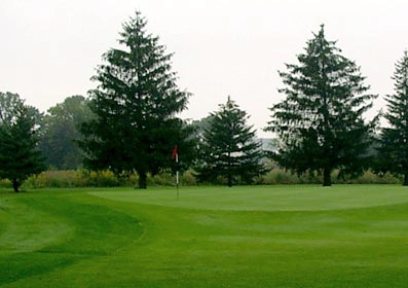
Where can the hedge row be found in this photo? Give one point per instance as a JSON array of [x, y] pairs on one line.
[[85, 178], [280, 176]]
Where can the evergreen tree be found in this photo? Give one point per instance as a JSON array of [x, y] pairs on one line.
[[135, 104], [320, 123], [19, 154], [393, 148], [229, 149]]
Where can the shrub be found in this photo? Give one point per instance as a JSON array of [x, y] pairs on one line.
[[106, 178], [68, 178], [280, 176], [5, 183], [188, 178], [369, 177], [163, 179]]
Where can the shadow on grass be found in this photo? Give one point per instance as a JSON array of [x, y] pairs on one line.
[[97, 231]]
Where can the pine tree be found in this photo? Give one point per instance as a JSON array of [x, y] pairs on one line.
[[135, 104], [320, 123], [229, 149], [19, 153], [393, 148]]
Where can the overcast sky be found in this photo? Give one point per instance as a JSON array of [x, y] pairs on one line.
[[49, 48]]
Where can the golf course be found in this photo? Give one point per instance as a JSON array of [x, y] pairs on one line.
[[212, 236]]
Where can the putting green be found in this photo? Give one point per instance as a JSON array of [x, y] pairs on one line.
[[266, 198], [257, 236]]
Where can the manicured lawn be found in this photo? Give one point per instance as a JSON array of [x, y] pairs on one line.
[[257, 236]]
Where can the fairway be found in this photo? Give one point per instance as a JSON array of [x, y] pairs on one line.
[[249, 236]]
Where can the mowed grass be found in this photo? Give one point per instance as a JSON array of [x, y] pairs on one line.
[[255, 236]]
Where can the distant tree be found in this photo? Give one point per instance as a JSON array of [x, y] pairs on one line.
[[229, 148], [136, 104], [19, 154], [393, 146], [201, 125], [61, 131], [320, 123]]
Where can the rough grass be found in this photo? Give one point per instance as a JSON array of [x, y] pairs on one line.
[[258, 236]]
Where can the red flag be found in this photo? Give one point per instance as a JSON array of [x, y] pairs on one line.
[[174, 153]]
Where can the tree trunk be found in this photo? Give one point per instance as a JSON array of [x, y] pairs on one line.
[[229, 175], [142, 179], [229, 180], [327, 177], [16, 185], [405, 179]]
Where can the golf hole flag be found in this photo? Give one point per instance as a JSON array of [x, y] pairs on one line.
[[174, 153]]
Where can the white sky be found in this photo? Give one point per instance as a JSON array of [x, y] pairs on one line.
[[49, 48]]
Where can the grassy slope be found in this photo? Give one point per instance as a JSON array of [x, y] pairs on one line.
[[276, 236]]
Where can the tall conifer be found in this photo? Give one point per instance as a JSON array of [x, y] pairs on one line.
[[320, 123], [136, 104], [393, 148]]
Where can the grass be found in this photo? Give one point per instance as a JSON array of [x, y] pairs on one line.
[[257, 236]]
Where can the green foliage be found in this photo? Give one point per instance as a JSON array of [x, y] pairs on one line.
[[369, 177], [55, 179], [19, 154], [5, 183], [282, 176], [60, 132], [320, 124], [135, 104], [393, 146], [76, 178], [229, 151], [103, 178], [188, 178]]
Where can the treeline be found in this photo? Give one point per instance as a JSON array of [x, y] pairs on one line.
[[129, 125]]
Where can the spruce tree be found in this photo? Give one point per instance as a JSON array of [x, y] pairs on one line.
[[135, 104], [393, 148], [229, 149], [320, 123], [19, 153]]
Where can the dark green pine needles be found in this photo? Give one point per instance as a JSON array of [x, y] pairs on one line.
[[393, 148], [320, 123], [19, 127], [135, 104], [229, 150]]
